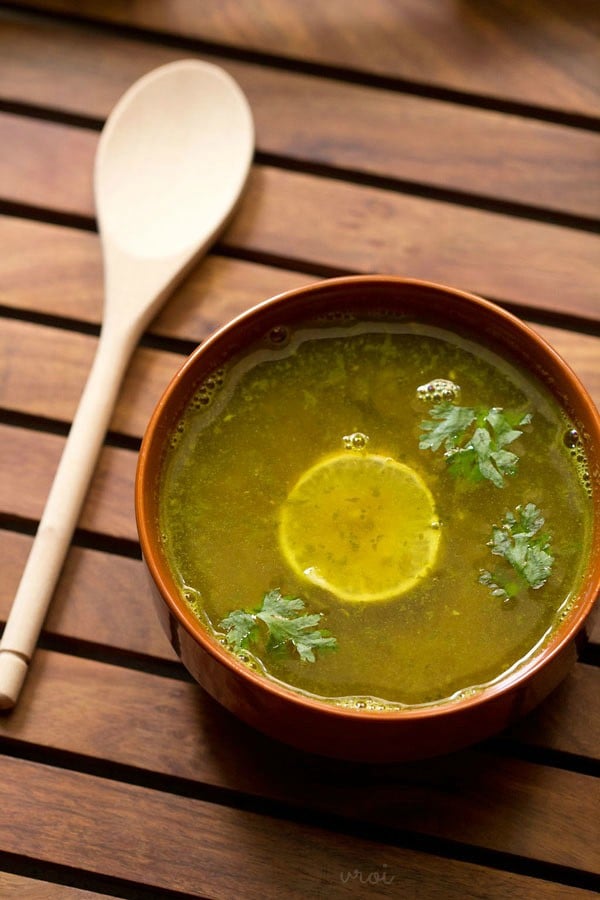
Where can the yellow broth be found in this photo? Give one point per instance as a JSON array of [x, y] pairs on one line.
[[253, 429]]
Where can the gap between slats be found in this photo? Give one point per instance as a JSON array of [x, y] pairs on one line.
[[38, 393], [330, 71], [558, 874], [333, 172], [274, 807], [26, 878], [124, 632], [430, 137], [290, 269], [358, 228]]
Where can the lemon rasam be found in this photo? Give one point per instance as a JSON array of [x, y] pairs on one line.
[[367, 511]]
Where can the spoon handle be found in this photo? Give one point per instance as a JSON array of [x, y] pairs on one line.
[[61, 512]]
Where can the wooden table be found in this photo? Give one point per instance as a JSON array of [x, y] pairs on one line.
[[448, 140]]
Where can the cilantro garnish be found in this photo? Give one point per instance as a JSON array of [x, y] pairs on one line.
[[284, 625], [526, 549], [474, 440]]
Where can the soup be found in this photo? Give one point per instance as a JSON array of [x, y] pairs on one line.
[[367, 511]]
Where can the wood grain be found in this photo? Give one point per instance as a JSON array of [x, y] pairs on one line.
[[381, 128], [294, 216], [64, 164], [50, 384], [216, 851], [548, 726], [125, 620], [16, 887], [28, 461], [371, 230], [120, 617], [63, 278], [381, 133], [35, 382], [569, 721], [543, 52], [102, 711]]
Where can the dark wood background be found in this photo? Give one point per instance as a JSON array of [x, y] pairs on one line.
[[451, 140]]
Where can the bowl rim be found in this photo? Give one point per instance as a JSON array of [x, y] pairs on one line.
[[505, 684]]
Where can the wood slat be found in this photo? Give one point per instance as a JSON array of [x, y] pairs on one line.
[[120, 616], [125, 620], [55, 176], [581, 351], [41, 384], [365, 229], [219, 852], [542, 52], [64, 278], [382, 133], [119, 764], [28, 461], [576, 731], [16, 887], [102, 711], [294, 216]]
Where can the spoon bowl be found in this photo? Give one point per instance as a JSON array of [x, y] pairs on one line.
[[171, 163]]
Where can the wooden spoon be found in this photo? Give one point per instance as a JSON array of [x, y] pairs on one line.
[[172, 160]]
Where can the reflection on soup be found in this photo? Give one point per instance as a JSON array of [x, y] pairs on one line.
[[368, 511]]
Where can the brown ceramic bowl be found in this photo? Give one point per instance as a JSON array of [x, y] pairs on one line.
[[314, 725]]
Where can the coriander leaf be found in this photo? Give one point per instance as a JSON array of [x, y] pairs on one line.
[[479, 453], [449, 424], [300, 634], [481, 443], [506, 461], [538, 567], [530, 520], [464, 463], [503, 587], [274, 604], [284, 625], [240, 627], [503, 425], [526, 549]]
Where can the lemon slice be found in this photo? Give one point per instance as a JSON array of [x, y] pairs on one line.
[[361, 526]]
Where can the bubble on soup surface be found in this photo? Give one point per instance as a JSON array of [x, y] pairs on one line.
[[355, 441], [204, 394], [338, 315], [279, 335], [465, 693], [571, 438], [439, 389], [573, 442]]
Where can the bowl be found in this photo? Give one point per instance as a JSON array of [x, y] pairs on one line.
[[304, 721]]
